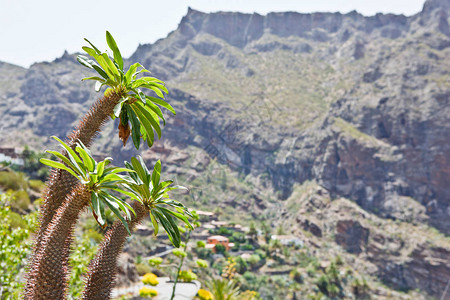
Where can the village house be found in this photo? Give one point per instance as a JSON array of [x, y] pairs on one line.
[[218, 239], [10, 155]]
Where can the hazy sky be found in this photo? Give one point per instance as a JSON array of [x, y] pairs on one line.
[[40, 30]]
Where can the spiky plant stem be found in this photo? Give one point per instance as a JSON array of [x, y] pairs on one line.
[[47, 277], [103, 268], [61, 183]]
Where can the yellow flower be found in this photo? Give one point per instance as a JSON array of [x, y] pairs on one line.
[[147, 292], [150, 279], [205, 295]]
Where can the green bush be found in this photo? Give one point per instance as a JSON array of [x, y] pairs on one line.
[[241, 265], [204, 253], [220, 249], [13, 181], [143, 269], [155, 261], [36, 185], [254, 260], [247, 247], [94, 235], [187, 276], [201, 244], [296, 275], [202, 263], [178, 252], [21, 200], [16, 221]]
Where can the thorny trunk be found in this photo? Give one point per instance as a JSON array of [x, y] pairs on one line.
[[61, 183], [47, 278], [102, 269]]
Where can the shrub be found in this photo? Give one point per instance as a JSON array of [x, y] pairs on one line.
[[155, 261], [36, 185], [254, 260], [143, 269], [220, 248], [204, 253], [187, 276], [16, 221], [202, 263], [296, 275], [94, 235], [150, 279], [241, 265], [247, 247], [13, 180], [146, 292], [21, 200], [178, 252]]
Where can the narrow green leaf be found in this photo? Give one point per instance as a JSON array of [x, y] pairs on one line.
[[130, 194], [57, 165], [137, 166], [130, 72], [155, 109], [156, 90], [113, 46], [177, 215], [146, 125], [96, 206], [86, 159], [63, 158], [134, 175], [135, 128], [93, 78], [154, 223], [168, 228], [150, 116], [84, 61], [111, 67], [152, 79], [162, 103], [156, 173], [95, 48], [90, 51], [173, 224], [72, 156], [157, 85], [101, 72], [117, 213]]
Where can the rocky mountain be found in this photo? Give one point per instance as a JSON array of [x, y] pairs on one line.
[[356, 105]]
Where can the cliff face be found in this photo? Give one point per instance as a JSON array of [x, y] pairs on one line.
[[358, 104]]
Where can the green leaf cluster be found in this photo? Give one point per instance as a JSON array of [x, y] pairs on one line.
[[140, 184], [99, 179], [135, 107], [148, 189]]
